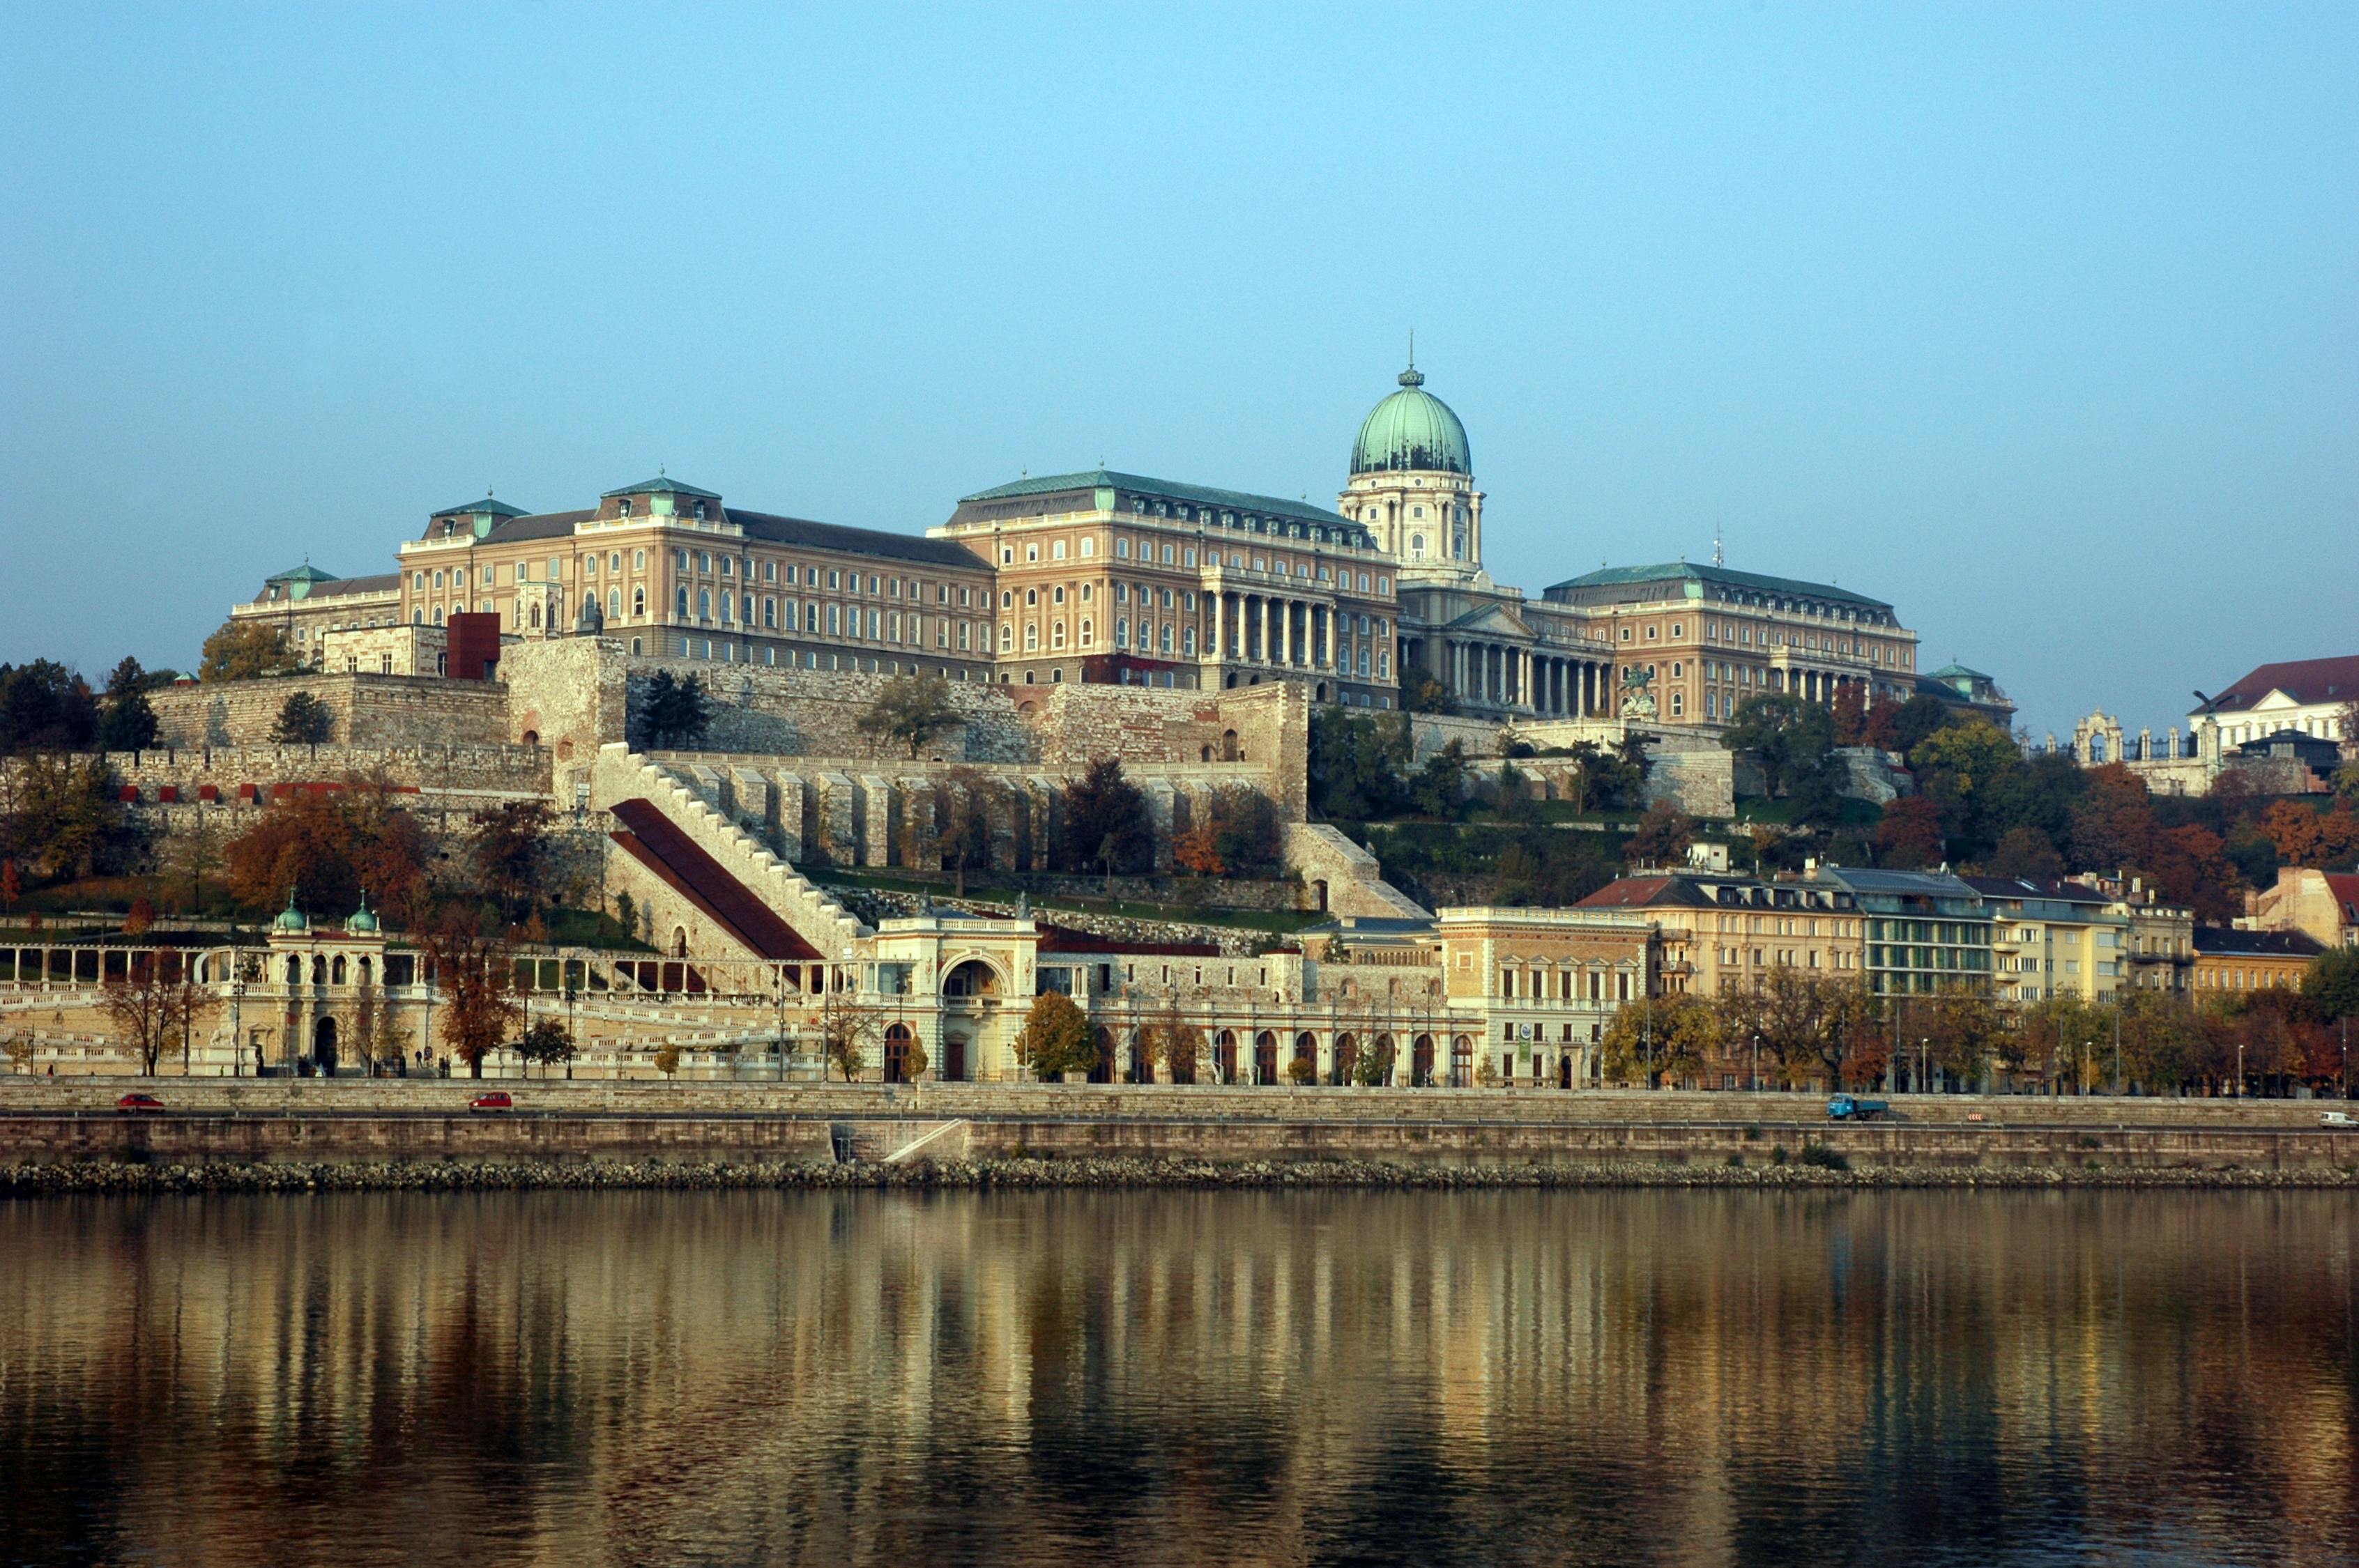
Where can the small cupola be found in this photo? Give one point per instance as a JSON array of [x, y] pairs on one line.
[[661, 496]]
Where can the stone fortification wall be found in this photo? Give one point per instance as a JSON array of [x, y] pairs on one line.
[[468, 774], [877, 812], [1430, 733], [767, 712], [1702, 784], [370, 710], [567, 695], [817, 713], [1352, 881]]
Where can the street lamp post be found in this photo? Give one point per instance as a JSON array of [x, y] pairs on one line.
[[236, 1018]]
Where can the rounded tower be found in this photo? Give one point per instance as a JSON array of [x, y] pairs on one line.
[[1412, 482]]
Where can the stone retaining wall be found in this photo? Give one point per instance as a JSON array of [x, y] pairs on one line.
[[370, 710], [531, 1138]]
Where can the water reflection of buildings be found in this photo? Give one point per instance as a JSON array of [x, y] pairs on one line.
[[619, 1378]]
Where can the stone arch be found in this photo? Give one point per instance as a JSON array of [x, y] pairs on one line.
[[1266, 1057], [1229, 752], [1346, 1061], [679, 941], [1102, 1070], [1420, 1062], [972, 974], [1306, 1049], [336, 970], [323, 1045], [1224, 1056], [1461, 1061]]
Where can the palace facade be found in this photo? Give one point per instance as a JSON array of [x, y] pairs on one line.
[[1103, 576]]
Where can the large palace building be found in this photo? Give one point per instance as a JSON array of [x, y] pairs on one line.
[[1107, 577]]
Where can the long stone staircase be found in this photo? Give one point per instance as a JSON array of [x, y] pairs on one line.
[[623, 776]]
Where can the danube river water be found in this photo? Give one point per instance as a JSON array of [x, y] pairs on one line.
[[1688, 1378]]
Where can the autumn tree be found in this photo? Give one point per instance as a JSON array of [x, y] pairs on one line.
[[246, 649], [2305, 837], [196, 851], [1662, 836], [2025, 852], [2065, 1036], [60, 816], [475, 975], [1811, 1024], [910, 712], [1055, 1038], [1169, 1036], [328, 846], [1910, 837], [154, 1004], [1672, 1036]]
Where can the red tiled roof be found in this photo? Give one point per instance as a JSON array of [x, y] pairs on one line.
[[2344, 887], [655, 842], [2304, 680]]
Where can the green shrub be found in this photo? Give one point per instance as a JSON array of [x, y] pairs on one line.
[[1824, 1158]]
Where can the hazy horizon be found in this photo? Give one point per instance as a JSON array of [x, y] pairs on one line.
[[2037, 322]]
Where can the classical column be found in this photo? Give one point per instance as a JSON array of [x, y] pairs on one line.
[[1213, 625]]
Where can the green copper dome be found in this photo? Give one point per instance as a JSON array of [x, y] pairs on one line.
[[1411, 430], [291, 919]]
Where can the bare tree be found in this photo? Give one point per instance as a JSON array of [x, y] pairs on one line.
[[155, 1004], [847, 1029]]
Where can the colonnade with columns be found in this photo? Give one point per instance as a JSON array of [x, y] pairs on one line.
[[1522, 679], [1286, 632]]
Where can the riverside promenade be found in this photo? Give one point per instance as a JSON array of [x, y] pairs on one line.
[[377, 1129]]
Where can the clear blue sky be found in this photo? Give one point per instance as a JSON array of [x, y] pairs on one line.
[[2038, 322]]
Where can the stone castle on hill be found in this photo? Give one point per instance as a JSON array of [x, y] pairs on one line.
[[1105, 578], [1188, 628]]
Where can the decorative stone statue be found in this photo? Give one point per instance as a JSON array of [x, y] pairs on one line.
[[1638, 697]]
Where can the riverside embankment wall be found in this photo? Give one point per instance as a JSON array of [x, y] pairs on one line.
[[559, 1124]]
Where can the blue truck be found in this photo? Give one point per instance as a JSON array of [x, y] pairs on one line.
[[1844, 1108]]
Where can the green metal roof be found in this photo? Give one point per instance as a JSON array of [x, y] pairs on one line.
[[496, 508], [1954, 672], [660, 485], [1203, 495], [1412, 430], [307, 572], [1724, 577]]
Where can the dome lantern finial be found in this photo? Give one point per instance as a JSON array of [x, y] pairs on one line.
[[1411, 378]]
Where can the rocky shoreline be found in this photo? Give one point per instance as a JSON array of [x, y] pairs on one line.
[[454, 1176]]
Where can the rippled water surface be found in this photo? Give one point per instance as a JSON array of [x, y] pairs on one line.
[[1612, 1377]]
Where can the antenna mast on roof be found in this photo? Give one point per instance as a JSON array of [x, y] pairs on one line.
[[1718, 558]]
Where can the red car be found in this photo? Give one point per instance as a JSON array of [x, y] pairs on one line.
[[495, 1100], [138, 1105]]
